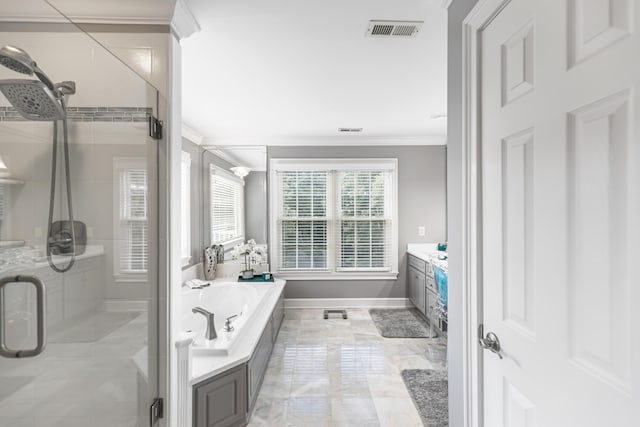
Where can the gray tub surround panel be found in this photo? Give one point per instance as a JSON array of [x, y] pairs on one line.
[[218, 377], [421, 202]]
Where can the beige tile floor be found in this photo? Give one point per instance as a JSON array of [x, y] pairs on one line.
[[341, 373]]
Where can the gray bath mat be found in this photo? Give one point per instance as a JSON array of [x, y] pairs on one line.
[[400, 323], [430, 394], [93, 328]]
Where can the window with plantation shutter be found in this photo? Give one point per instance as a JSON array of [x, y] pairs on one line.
[[226, 206], [131, 245], [364, 221], [303, 222], [334, 218]]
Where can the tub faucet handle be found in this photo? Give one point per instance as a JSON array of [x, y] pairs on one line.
[[227, 323], [211, 328]]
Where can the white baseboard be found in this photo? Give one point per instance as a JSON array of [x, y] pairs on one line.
[[346, 302], [125, 305]]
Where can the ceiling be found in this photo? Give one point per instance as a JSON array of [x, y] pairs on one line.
[[291, 72]]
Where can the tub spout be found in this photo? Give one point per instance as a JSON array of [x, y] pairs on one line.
[[211, 328]]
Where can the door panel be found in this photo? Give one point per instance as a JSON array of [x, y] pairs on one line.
[[100, 364], [559, 82]]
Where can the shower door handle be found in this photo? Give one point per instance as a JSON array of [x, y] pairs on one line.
[[41, 312]]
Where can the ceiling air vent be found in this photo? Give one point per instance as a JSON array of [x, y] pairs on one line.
[[395, 29]]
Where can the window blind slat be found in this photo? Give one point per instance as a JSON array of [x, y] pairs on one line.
[[134, 238], [226, 208], [357, 236]]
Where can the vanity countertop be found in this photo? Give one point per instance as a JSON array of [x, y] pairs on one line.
[[428, 252]]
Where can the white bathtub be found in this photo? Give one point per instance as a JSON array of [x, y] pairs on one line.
[[224, 299]]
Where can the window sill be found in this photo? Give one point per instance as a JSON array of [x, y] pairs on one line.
[[338, 276], [130, 278]]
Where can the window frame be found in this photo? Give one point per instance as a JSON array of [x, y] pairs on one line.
[[240, 217], [333, 199], [123, 164]]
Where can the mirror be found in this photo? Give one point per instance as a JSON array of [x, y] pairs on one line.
[[225, 207]]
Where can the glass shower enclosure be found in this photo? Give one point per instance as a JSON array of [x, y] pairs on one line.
[[79, 298]]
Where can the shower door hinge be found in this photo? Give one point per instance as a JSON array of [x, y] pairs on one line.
[[156, 411], [155, 127]]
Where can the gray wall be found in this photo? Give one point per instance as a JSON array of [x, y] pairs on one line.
[[255, 200], [457, 12], [200, 220], [421, 201], [197, 204], [255, 206]]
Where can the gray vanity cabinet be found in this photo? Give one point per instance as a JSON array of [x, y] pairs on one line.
[[221, 401], [417, 283]]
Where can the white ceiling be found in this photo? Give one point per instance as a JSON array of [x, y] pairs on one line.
[[293, 71]]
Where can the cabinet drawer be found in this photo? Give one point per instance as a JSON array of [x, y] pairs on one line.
[[417, 263]]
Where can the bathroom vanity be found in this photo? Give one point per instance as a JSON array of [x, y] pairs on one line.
[[422, 260]]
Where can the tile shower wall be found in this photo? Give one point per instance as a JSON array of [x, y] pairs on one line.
[[107, 121], [89, 114]]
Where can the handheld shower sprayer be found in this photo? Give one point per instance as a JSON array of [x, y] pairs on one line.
[[43, 100], [18, 60]]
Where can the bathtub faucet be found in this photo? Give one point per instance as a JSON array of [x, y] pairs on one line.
[[211, 327]]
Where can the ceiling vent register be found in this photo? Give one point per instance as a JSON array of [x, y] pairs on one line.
[[394, 29]]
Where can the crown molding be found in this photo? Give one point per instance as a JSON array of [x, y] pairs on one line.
[[351, 140], [446, 3], [192, 135], [183, 23]]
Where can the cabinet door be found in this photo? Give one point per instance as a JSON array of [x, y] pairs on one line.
[[417, 288], [420, 292], [221, 401], [432, 300]]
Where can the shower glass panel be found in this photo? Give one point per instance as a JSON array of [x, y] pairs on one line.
[[99, 322]]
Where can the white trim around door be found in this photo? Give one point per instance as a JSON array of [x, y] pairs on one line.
[[479, 17]]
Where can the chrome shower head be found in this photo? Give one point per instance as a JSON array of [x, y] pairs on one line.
[[33, 99], [18, 60]]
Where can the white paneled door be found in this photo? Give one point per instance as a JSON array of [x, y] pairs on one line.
[[560, 170]]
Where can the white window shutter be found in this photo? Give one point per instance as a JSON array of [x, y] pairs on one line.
[[303, 220], [226, 207], [133, 235]]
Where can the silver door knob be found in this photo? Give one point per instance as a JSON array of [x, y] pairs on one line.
[[491, 343]]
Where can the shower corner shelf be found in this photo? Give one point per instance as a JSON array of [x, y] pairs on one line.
[[11, 181]]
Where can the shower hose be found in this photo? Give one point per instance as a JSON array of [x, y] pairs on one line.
[[60, 239]]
